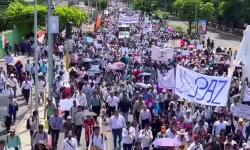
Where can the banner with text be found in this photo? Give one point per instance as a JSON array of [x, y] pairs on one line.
[[246, 95], [162, 54], [128, 19], [242, 111], [166, 80], [202, 89], [146, 27]]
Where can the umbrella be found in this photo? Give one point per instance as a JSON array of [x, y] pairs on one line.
[[112, 67], [170, 28], [86, 60], [142, 85], [89, 39], [190, 46], [105, 30], [162, 29], [89, 113], [166, 142], [144, 74], [119, 64]]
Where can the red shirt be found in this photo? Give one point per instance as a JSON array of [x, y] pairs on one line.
[[136, 73]]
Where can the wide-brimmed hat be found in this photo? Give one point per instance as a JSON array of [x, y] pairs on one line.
[[241, 120], [164, 91], [183, 146], [181, 132]]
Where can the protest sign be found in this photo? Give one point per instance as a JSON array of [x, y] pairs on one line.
[[166, 81], [185, 52], [242, 111], [124, 50], [174, 43], [4, 107], [66, 104], [199, 47], [246, 95], [88, 28], [146, 27], [162, 54], [128, 19], [202, 89]]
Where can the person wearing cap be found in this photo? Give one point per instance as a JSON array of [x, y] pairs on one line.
[[188, 120], [162, 98], [146, 137], [128, 136], [245, 146], [7, 91], [241, 125], [189, 107], [13, 83], [13, 140], [70, 143], [26, 86], [182, 136], [196, 144], [43, 68], [39, 135], [68, 125], [116, 124], [198, 114], [13, 107]]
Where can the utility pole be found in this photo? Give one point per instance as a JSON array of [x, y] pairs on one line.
[[50, 46], [36, 56], [92, 15], [88, 11], [195, 20]]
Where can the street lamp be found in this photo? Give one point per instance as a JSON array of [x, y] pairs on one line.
[[195, 20]]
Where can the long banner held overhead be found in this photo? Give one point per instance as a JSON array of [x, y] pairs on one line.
[[166, 81], [202, 89], [162, 54], [128, 19]]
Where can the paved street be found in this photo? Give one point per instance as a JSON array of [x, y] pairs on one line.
[[220, 39]]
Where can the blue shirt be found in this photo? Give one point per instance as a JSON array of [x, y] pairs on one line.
[[56, 123], [43, 68]]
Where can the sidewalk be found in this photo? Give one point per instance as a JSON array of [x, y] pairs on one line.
[[23, 132]]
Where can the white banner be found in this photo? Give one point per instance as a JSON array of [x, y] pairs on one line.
[[246, 95], [128, 19], [242, 111], [166, 81], [185, 52], [202, 89], [162, 54], [146, 27]]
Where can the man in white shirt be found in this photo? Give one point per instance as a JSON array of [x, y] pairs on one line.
[[26, 86], [69, 143], [28, 67], [13, 83], [117, 123], [61, 51], [170, 132], [2, 82], [111, 103], [81, 98], [146, 137], [145, 117], [97, 139], [78, 118], [128, 135], [195, 145], [41, 85], [220, 124]]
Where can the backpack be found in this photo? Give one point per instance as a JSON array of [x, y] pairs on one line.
[[93, 138], [28, 122]]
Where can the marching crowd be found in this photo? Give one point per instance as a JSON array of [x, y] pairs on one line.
[[106, 82]]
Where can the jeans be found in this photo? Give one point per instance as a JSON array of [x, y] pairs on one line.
[[127, 146], [26, 94], [55, 137], [13, 116], [145, 148], [78, 132], [125, 115], [111, 110], [117, 132]]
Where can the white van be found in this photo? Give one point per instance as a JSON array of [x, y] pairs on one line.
[[124, 31]]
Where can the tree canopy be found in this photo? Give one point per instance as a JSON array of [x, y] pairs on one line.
[[22, 14]]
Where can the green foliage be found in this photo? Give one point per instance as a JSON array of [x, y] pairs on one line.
[[147, 6], [161, 14], [4, 21], [22, 14], [103, 4], [179, 28], [231, 10]]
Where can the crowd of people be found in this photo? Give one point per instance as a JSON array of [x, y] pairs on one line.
[[108, 83]]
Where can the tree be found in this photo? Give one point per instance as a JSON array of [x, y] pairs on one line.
[[147, 6], [186, 10], [231, 11], [22, 14]]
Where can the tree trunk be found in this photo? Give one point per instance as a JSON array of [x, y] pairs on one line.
[[190, 27]]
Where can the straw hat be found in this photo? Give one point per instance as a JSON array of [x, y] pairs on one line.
[[183, 146], [181, 132], [240, 120]]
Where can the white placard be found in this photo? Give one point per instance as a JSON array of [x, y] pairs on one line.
[[165, 45], [99, 46], [246, 95], [66, 104], [128, 19], [162, 54], [167, 81], [124, 50], [242, 111], [146, 27], [199, 47], [202, 89], [185, 52]]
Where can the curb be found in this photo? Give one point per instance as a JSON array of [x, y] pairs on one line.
[[27, 115]]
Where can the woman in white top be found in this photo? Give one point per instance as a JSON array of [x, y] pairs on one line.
[[128, 135], [188, 120]]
